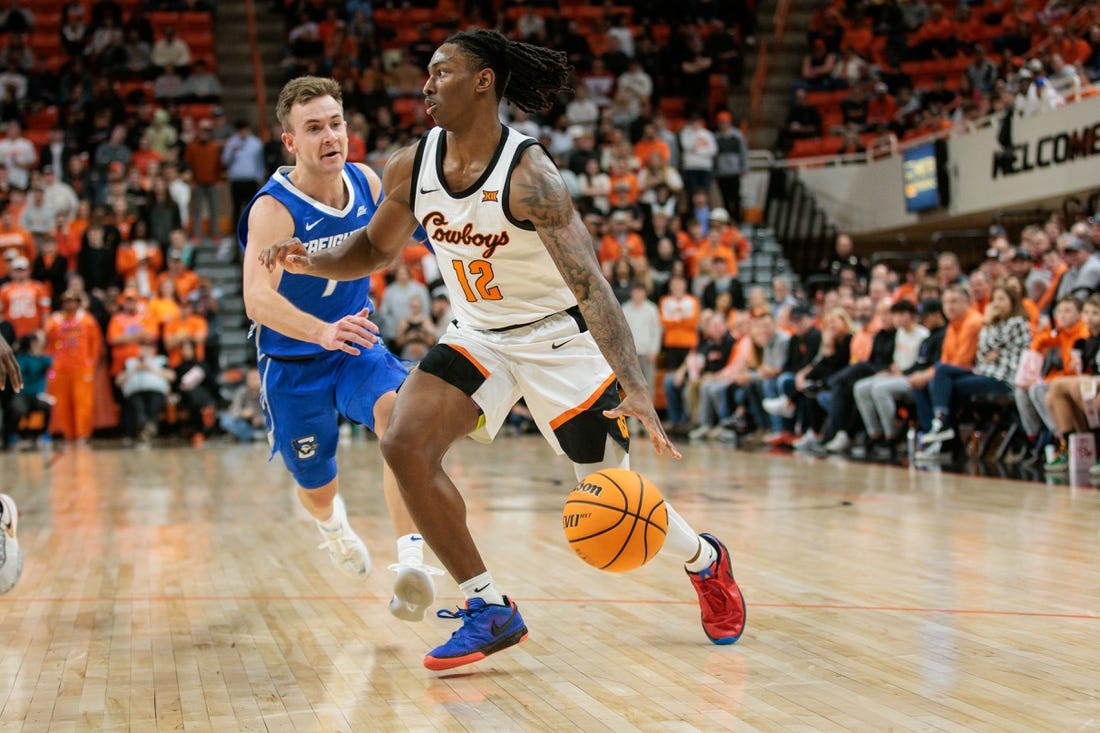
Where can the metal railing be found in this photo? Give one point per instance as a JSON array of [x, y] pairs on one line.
[[801, 226]]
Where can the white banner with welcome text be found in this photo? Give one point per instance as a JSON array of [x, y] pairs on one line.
[[1054, 154]]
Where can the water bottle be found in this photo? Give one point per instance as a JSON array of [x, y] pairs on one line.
[[911, 441]]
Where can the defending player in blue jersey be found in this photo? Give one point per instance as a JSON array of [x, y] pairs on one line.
[[318, 354]]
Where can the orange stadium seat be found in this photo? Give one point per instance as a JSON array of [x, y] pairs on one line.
[[719, 91], [912, 68], [623, 10], [38, 137], [814, 147], [45, 44], [127, 89], [804, 147], [386, 17], [160, 19], [582, 12], [195, 20], [417, 15], [831, 145], [47, 22], [197, 111], [201, 43], [515, 11], [407, 109], [672, 107], [43, 119], [824, 100]]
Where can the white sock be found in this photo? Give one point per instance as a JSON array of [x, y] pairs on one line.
[[410, 549], [482, 586], [707, 556], [684, 543], [681, 542], [338, 517]]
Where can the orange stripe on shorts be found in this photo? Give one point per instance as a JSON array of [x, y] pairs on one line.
[[572, 413], [471, 359]]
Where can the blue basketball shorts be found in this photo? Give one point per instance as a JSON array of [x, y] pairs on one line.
[[303, 399]]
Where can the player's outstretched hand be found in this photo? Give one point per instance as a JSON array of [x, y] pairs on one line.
[[350, 332], [10, 373], [640, 405], [290, 253]]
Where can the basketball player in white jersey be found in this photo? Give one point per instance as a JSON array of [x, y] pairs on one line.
[[534, 318]]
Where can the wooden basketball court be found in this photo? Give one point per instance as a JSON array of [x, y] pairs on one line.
[[175, 589]]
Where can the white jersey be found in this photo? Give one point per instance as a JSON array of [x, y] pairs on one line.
[[497, 270]]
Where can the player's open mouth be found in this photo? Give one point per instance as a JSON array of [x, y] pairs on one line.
[[429, 107], [333, 154]]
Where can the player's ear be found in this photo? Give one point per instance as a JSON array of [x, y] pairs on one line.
[[485, 80], [288, 141]]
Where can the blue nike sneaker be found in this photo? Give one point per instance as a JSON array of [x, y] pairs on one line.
[[486, 628]]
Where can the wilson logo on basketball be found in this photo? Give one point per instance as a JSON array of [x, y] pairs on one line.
[[594, 489], [435, 223], [488, 196]]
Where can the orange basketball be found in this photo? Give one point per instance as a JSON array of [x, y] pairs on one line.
[[615, 520]]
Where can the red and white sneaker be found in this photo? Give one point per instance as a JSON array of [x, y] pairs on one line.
[[780, 439], [720, 600]]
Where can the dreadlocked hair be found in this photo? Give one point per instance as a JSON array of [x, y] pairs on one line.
[[528, 76]]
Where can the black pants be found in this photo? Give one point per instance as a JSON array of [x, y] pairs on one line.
[[144, 409], [19, 407], [241, 192], [196, 401], [843, 414], [730, 186]]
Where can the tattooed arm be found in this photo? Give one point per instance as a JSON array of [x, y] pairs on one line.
[[539, 195]]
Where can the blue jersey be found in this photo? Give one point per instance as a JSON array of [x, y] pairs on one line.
[[318, 227]]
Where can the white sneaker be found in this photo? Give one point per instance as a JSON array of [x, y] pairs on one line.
[[413, 590], [715, 433], [840, 443], [700, 433], [344, 546], [807, 440], [727, 435], [933, 452], [938, 433], [779, 406], [11, 557]]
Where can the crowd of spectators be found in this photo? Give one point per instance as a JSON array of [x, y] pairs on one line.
[[101, 221], [641, 131], [877, 73], [849, 368], [105, 183]]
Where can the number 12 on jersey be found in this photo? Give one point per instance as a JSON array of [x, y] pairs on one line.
[[476, 278]]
